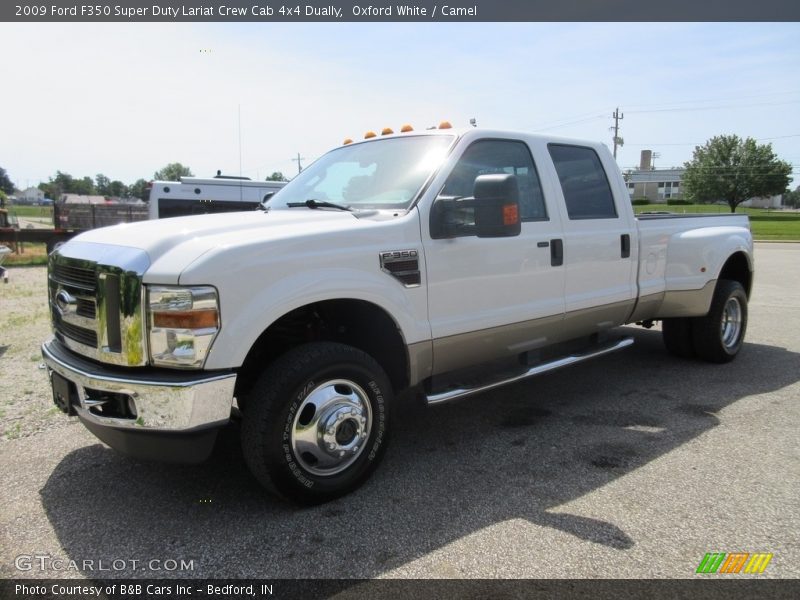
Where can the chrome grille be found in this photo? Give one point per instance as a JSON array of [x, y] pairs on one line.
[[84, 336], [73, 301], [86, 308], [79, 277], [95, 293]]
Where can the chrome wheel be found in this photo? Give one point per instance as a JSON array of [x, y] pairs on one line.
[[331, 427], [731, 325]]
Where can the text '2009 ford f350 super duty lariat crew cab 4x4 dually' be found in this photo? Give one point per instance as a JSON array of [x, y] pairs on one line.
[[442, 262]]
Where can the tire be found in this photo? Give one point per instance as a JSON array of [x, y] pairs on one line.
[[677, 335], [316, 423], [719, 335]]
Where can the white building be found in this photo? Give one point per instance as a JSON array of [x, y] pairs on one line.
[[32, 195], [764, 202]]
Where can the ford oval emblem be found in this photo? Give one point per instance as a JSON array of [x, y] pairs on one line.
[[65, 302]]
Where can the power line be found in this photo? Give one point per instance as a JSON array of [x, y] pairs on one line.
[[593, 118], [738, 96], [764, 139], [722, 106]]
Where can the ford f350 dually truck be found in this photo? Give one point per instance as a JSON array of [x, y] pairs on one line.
[[438, 263]]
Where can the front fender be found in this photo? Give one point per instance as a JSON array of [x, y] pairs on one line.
[[246, 315]]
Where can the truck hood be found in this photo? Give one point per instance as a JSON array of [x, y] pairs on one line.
[[181, 240]]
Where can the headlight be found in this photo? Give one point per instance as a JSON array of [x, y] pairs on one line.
[[182, 323]]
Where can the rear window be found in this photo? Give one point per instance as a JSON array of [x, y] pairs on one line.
[[587, 192]]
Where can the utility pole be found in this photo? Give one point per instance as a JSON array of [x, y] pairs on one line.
[[618, 116], [239, 112], [297, 160], [653, 161]]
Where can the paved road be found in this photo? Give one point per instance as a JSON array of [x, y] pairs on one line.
[[634, 465]]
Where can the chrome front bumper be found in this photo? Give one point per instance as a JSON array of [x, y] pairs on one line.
[[175, 405]]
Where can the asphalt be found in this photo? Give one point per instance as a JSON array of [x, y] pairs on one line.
[[634, 465]]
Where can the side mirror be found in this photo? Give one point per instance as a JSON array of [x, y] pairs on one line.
[[497, 206]]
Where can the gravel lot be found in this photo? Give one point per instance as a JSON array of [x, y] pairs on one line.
[[26, 405], [630, 466]]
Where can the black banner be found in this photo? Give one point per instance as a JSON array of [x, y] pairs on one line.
[[383, 10], [710, 587]]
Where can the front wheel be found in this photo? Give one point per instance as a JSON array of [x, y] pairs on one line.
[[719, 335], [315, 425]]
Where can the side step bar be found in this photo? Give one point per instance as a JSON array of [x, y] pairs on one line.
[[537, 370]]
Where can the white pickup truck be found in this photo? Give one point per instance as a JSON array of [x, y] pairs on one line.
[[442, 263]]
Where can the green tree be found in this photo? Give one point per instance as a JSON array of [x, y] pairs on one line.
[[62, 183], [102, 185], [138, 189], [277, 176], [48, 189], [5, 182], [118, 189], [734, 170], [173, 172], [84, 186]]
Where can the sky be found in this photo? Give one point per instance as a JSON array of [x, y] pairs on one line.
[[125, 99]]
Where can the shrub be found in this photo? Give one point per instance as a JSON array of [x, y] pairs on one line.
[[640, 201]]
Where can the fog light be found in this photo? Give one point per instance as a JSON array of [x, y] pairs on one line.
[[132, 407]]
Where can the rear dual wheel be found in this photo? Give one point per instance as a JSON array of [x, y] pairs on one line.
[[716, 337]]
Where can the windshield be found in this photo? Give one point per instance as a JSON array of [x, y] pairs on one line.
[[385, 173]]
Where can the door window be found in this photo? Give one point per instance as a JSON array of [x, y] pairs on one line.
[[487, 157], [587, 192]]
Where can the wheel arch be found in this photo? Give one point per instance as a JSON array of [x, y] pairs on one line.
[[358, 323], [737, 267]]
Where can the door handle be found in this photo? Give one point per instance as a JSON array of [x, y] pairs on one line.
[[556, 253], [625, 245]]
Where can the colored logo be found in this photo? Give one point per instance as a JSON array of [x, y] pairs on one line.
[[736, 562]]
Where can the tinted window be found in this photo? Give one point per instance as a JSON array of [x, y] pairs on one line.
[[487, 157], [176, 207], [584, 182]]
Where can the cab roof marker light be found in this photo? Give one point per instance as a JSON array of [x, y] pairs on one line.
[[370, 134], [387, 131], [347, 141], [406, 128], [445, 125]]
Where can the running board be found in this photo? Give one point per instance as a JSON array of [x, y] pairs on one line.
[[537, 370]]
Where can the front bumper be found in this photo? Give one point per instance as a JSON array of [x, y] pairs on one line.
[[153, 414]]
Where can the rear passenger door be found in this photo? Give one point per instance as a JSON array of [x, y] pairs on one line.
[[599, 252]]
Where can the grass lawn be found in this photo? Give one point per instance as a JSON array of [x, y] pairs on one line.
[[30, 211], [33, 254], [765, 224]]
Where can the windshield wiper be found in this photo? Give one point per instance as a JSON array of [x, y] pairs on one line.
[[311, 203]]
